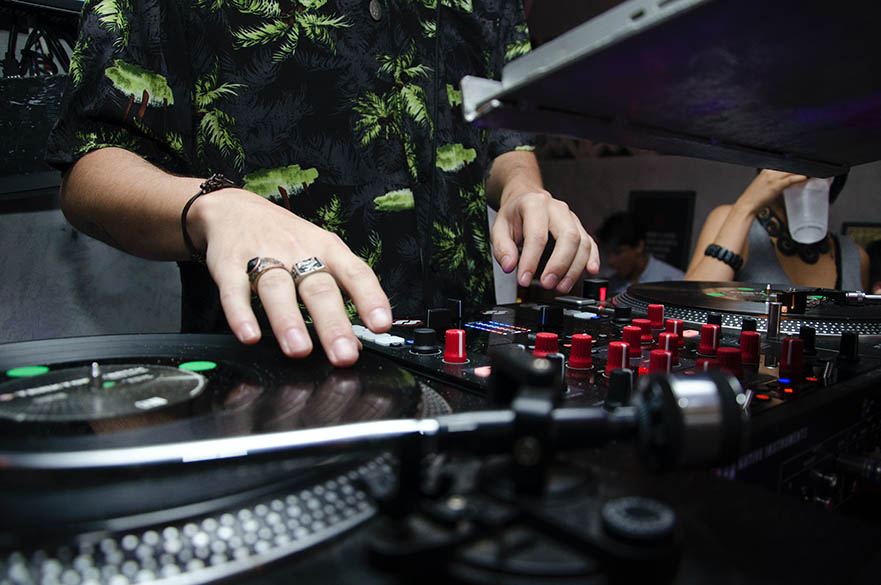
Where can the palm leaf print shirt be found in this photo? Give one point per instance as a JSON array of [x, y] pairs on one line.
[[345, 111]]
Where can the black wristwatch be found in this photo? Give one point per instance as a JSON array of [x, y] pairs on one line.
[[733, 260]]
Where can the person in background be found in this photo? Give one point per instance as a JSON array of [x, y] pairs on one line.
[[623, 239], [749, 241], [873, 250]]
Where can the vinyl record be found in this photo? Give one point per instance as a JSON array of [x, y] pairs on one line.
[[79, 400]]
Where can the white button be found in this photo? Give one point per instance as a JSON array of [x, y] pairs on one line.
[[387, 340], [363, 333]]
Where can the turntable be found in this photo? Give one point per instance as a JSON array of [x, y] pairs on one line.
[[192, 458]]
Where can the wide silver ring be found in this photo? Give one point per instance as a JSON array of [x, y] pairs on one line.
[[259, 265], [304, 268]]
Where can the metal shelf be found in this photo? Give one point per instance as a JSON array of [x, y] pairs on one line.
[[789, 84]]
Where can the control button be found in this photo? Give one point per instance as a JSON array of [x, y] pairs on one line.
[[656, 316], [676, 326], [454, 348], [749, 324], [622, 315], [670, 342], [714, 319], [363, 333], [618, 356], [387, 340], [438, 319], [632, 336], [809, 335], [750, 342], [646, 327], [660, 361], [424, 341], [730, 361], [849, 348], [620, 388], [791, 358], [579, 355], [545, 343], [595, 288], [709, 339]]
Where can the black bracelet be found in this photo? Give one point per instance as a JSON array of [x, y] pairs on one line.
[[215, 182], [733, 260]]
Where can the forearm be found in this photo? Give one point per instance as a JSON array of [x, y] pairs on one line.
[[732, 235], [512, 172], [119, 198]]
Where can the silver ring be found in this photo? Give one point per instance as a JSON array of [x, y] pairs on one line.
[[304, 268], [257, 266]]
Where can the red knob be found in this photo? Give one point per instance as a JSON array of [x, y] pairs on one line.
[[670, 342], [709, 339], [750, 342], [633, 337], [792, 357], [660, 361], [618, 357], [545, 343], [646, 327], [706, 364], [579, 356], [454, 347], [656, 316], [729, 361], [676, 326]]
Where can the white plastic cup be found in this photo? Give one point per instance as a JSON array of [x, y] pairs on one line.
[[807, 210]]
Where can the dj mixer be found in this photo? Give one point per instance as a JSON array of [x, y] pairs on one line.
[[583, 440], [810, 381]]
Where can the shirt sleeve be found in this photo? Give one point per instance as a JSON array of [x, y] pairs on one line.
[[513, 42], [129, 86]]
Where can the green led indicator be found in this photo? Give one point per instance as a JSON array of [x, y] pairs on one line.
[[197, 366], [108, 384], [820, 297], [745, 288], [715, 294], [26, 371]]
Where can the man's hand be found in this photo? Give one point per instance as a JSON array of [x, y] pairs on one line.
[[527, 214], [234, 225]]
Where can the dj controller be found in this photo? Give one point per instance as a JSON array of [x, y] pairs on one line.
[[687, 433]]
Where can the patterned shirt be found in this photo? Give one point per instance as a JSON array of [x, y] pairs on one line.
[[345, 111]]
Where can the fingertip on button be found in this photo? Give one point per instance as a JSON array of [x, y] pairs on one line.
[[248, 333]]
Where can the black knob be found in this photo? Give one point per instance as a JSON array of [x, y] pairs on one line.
[[513, 369], [424, 341], [748, 324], [559, 361], [594, 288], [622, 316], [849, 349], [809, 336], [620, 388], [438, 319], [714, 319]]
